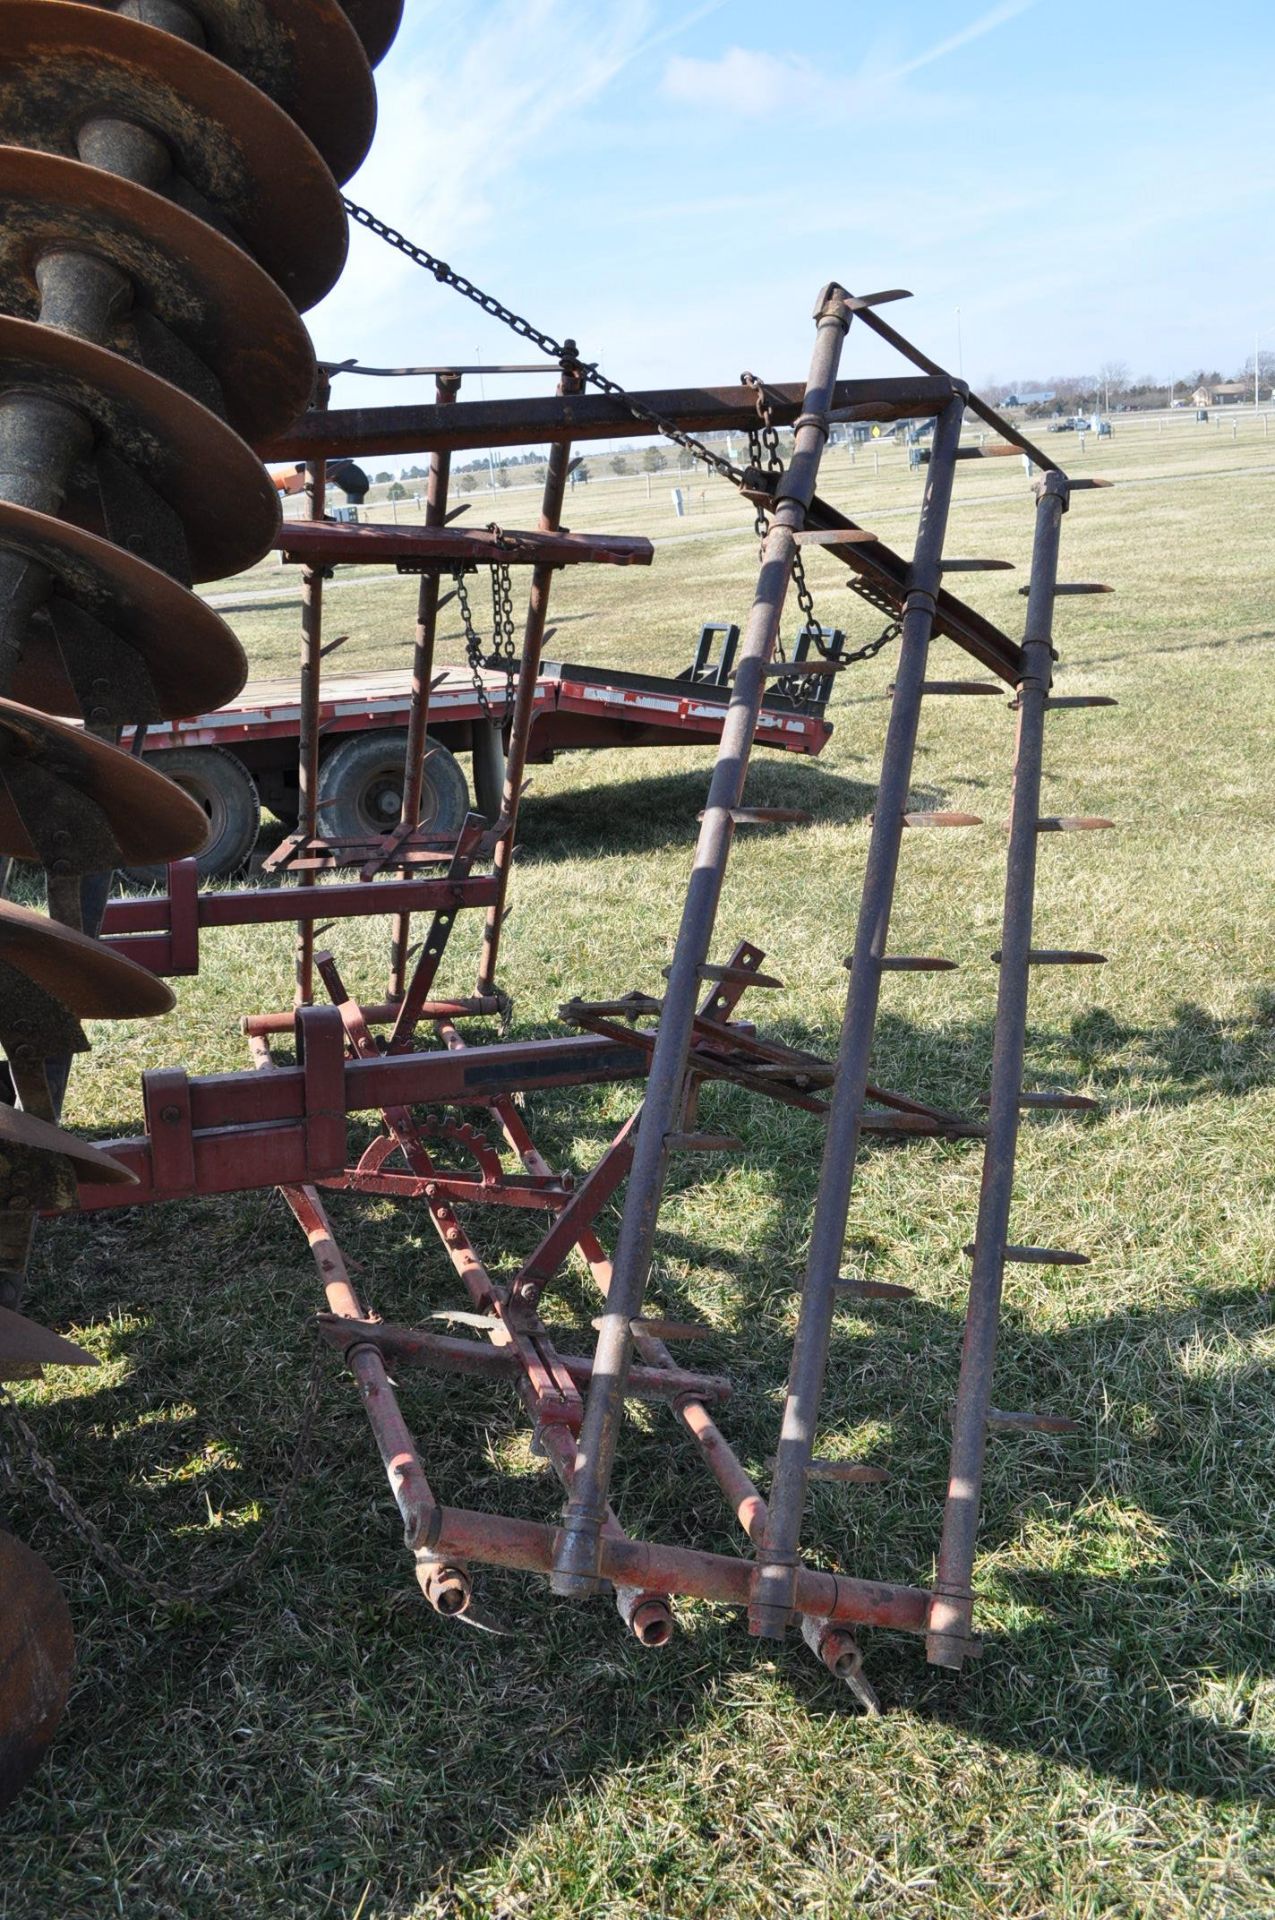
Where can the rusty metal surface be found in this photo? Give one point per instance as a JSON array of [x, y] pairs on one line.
[[198, 466], [585, 416], [84, 974], [26, 1344], [136, 326], [376, 22], [37, 1659], [192, 661], [62, 65], [215, 299], [326, 544], [305, 54], [62, 791]]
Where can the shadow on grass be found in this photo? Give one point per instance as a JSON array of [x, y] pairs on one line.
[[642, 815], [1131, 1643]]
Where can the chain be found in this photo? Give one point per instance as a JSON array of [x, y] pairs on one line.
[[473, 645], [763, 445], [17, 1441], [763, 439], [562, 352], [504, 648]]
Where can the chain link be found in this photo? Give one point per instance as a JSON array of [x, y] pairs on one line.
[[18, 1442], [557, 350], [504, 648], [763, 439]]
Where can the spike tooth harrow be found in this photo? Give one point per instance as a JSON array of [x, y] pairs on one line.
[[151, 271], [154, 273]]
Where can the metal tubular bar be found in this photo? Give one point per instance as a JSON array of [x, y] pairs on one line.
[[773, 1592], [576, 1565], [588, 416], [656, 1568], [948, 1638], [445, 390], [413, 548], [394, 1442], [525, 700], [308, 727]]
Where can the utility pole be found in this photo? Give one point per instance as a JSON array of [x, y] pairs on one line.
[[960, 355]]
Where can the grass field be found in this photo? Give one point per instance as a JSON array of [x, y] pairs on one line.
[[321, 1744]]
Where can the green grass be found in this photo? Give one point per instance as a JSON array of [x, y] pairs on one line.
[[322, 1745]]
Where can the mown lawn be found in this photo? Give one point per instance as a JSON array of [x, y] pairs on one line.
[[321, 1744]]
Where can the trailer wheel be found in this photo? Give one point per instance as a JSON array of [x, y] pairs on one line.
[[487, 759], [361, 787], [227, 793]]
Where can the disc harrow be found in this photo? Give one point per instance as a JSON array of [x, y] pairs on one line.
[[153, 269]]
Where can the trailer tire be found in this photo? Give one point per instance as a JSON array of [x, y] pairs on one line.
[[361, 787], [227, 793], [487, 760]]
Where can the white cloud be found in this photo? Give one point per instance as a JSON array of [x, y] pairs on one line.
[[741, 81], [755, 84]]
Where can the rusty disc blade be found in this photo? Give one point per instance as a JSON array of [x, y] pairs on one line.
[[376, 22], [64, 65], [26, 1133], [44, 764], [28, 1344], [308, 58], [209, 476], [209, 292], [37, 1659], [194, 661], [85, 976]]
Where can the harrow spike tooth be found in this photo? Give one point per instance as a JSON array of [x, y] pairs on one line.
[[1057, 957], [657, 1329], [471, 1616], [947, 819], [970, 688], [1073, 823], [998, 1419], [836, 537], [1023, 1256], [767, 816], [1065, 702], [1059, 1102], [703, 1143], [976, 566], [873, 1289], [912, 963], [860, 303], [1074, 587], [800, 669], [849, 1473], [454, 513], [731, 976]]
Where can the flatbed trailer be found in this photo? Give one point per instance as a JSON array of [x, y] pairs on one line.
[[243, 757]]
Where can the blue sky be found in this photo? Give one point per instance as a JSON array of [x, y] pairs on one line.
[[672, 183]]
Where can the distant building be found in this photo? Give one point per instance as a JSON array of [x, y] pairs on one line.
[[1222, 393]]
